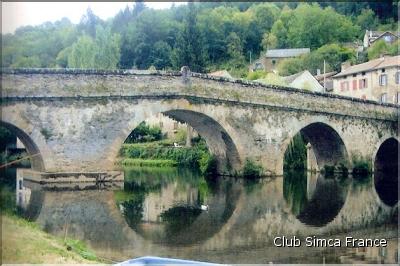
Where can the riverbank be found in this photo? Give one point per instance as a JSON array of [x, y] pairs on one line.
[[164, 153], [25, 242]]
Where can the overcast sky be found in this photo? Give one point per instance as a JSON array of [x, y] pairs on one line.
[[18, 14]]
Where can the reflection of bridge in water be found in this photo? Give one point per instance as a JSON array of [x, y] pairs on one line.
[[243, 217]]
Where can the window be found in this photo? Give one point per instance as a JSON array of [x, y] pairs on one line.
[[273, 62], [355, 84], [20, 184], [175, 125], [362, 83], [383, 70], [344, 86], [363, 73], [354, 75], [161, 124], [397, 98], [383, 97], [383, 80], [397, 77]]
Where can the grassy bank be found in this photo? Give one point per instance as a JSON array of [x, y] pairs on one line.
[[164, 154], [25, 242]]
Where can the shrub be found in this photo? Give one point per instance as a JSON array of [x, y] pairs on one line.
[[252, 170], [208, 163], [256, 75], [144, 133], [361, 166], [296, 154]]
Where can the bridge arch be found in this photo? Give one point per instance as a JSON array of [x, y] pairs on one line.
[[219, 141], [328, 146], [386, 166], [32, 149]]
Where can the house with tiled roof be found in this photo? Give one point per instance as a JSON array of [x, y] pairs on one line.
[[377, 80], [303, 80], [269, 61], [372, 36]]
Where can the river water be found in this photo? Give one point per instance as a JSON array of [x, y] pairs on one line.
[[177, 213]]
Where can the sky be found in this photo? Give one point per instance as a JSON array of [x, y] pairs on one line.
[[17, 14]]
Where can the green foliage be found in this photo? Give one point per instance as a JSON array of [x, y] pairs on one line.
[[101, 52], [382, 48], [208, 164], [144, 133], [148, 162], [256, 75], [162, 153], [312, 26], [296, 154], [204, 36], [333, 54], [361, 166], [367, 20], [189, 48], [252, 170], [180, 136], [6, 137], [80, 248]]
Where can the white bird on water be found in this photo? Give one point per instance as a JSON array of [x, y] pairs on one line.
[[204, 207]]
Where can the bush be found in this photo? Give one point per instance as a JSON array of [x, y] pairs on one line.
[[296, 154], [256, 75], [208, 164], [144, 133], [361, 166], [252, 170]]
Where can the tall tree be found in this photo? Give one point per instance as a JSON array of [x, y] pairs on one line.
[[190, 50]]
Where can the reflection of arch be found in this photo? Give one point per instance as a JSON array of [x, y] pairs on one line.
[[32, 149], [328, 146], [386, 165]]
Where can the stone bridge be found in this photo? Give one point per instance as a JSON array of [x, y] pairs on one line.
[[77, 120]]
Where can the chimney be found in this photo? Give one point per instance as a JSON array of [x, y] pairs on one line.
[[318, 72], [345, 65]]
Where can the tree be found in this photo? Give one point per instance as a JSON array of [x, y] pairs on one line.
[[83, 53], [107, 48], [280, 32], [138, 8], [88, 23], [311, 26], [189, 50], [367, 20], [380, 47], [161, 55], [269, 41], [235, 50]]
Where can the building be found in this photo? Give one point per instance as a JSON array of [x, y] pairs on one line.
[[303, 80], [372, 36], [272, 57], [326, 80], [376, 80]]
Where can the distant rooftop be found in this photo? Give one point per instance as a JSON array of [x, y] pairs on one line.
[[221, 73], [287, 52], [387, 61]]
